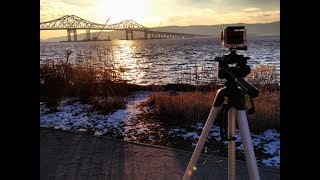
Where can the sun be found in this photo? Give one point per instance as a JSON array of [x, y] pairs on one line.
[[118, 10]]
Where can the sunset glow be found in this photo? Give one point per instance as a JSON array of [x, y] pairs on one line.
[[122, 9]]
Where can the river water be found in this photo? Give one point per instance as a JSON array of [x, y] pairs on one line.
[[163, 61]]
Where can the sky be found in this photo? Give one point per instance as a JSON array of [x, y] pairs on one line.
[[154, 13]]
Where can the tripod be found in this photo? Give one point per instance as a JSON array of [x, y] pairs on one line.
[[235, 90]]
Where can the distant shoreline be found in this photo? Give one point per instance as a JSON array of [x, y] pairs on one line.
[[250, 35]]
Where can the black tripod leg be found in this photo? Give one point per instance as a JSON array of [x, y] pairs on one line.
[[224, 125], [222, 120]]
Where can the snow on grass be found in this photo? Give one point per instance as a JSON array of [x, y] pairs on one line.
[[75, 116], [269, 141], [195, 135], [68, 116]]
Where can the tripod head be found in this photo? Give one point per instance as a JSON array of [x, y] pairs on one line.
[[234, 75]]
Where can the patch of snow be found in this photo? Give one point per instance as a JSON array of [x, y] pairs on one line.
[[272, 147], [269, 140], [191, 135], [274, 161], [215, 133], [73, 115]]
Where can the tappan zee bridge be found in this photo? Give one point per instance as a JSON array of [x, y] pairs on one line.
[[72, 23]]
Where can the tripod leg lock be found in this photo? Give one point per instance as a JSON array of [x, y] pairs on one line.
[[232, 138]]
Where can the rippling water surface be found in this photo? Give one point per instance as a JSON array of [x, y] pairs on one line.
[[163, 61]]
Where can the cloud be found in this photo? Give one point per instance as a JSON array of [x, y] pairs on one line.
[[50, 10], [275, 15], [81, 2], [251, 9], [262, 16], [226, 18], [177, 20], [53, 9], [227, 4]]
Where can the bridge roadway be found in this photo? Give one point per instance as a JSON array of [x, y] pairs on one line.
[[66, 155]]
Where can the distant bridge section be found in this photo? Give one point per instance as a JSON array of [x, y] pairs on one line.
[[72, 23]]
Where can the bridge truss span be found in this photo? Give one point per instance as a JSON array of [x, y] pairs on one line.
[[72, 23]]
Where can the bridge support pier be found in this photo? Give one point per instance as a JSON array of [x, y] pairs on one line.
[[127, 36], [75, 34], [145, 35], [69, 34], [88, 34], [74, 31]]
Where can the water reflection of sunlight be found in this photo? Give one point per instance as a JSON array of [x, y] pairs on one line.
[[124, 55], [160, 61]]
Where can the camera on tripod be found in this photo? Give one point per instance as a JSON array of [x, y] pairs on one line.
[[235, 90], [235, 38]]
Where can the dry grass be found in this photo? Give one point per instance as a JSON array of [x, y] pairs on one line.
[[188, 108], [81, 80], [267, 115], [264, 74], [185, 108], [264, 77]]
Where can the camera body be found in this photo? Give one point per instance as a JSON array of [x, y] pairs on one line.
[[234, 37]]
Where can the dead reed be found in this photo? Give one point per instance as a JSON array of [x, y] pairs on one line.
[[83, 80], [189, 108]]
